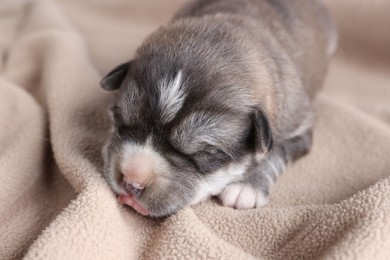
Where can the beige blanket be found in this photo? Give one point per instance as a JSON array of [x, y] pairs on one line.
[[334, 203]]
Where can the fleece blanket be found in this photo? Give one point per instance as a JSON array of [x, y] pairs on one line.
[[333, 204]]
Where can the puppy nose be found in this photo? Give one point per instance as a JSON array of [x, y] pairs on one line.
[[133, 188], [137, 174]]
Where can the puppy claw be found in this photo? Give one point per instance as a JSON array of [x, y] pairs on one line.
[[242, 196]]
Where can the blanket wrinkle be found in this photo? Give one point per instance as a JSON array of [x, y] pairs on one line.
[[54, 204], [210, 247]]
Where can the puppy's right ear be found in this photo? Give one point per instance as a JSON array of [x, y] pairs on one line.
[[114, 79]]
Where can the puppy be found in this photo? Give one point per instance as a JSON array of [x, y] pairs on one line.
[[216, 103]]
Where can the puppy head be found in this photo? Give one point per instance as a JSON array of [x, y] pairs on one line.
[[177, 140], [185, 123]]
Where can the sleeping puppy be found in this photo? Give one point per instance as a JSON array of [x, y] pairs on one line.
[[216, 103]]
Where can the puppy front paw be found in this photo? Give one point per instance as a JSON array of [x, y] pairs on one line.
[[243, 196]]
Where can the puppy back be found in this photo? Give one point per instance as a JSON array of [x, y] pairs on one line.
[[304, 30]]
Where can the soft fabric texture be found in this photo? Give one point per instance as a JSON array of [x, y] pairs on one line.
[[334, 203]]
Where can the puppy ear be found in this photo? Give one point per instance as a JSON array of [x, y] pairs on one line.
[[113, 80], [262, 132]]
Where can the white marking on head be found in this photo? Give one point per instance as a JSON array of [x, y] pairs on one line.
[[172, 97]]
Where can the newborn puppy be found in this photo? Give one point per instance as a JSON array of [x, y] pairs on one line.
[[216, 103]]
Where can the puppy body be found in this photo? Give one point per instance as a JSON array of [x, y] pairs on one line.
[[285, 44], [217, 102]]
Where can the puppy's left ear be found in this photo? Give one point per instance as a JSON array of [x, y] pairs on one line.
[[114, 79], [262, 131]]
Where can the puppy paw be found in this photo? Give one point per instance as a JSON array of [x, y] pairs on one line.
[[243, 196]]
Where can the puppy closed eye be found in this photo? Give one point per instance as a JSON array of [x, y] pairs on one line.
[[134, 132], [210, 159], [122, 130]]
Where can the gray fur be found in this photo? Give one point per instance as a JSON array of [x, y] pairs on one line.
[[239, 60]]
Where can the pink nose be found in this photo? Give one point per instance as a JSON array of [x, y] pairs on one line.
[[137, 173]]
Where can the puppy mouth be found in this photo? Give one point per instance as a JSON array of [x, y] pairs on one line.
[[131, 201], [130, 197]]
